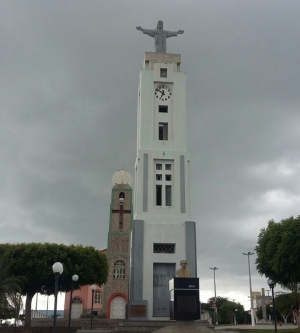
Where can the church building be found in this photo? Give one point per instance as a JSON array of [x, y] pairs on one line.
[[110, 299]]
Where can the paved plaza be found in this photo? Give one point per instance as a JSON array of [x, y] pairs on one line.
[[249, 327]]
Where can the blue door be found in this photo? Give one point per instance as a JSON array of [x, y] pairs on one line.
[[162, 274]]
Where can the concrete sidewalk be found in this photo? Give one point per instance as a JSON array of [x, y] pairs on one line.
[[256, 327]]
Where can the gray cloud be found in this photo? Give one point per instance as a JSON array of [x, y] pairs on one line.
[[69, 78]]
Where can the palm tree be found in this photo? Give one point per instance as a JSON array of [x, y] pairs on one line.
[[9, 286]]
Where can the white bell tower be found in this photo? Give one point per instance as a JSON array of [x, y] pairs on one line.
[[162, 232]]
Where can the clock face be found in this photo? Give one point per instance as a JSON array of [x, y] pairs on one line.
[[163, 93]]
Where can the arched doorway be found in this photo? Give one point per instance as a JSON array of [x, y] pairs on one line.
[[118, 308], [76, 307]]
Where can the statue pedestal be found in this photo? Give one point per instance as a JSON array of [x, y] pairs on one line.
[[184, 298]]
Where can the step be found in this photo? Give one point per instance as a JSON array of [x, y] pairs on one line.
[[151, 326]]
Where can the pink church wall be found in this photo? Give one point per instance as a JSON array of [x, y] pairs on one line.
[[85, 294]]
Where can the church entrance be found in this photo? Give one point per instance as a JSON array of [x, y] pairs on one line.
[[118, 308], [76, 308], [162, 274]]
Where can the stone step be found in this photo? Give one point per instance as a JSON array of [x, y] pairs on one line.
[[165, 323], [151, 326]]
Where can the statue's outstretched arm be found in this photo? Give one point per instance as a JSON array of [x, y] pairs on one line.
[[148, 32], [173, 33]]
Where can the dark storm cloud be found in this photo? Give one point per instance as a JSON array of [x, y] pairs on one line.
[[69, 78]]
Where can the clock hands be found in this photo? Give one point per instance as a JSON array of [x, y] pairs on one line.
[[165, 93]]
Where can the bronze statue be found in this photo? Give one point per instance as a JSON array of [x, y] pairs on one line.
[[183, 271], [160, 35]]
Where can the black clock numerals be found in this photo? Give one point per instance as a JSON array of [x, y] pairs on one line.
[[163, 93]]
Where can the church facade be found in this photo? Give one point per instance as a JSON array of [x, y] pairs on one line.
[[110, 299], [162, 231], [118, 245]]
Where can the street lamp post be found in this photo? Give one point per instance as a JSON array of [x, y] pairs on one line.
[[251, 296], [57, 270], [235, 318], [272, 286], [93, 288], [74, 279], [216, 310]]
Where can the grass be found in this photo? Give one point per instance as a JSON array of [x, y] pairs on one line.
[[281, 330]]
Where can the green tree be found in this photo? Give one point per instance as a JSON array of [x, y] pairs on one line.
[[15, 304], [227, 312], [278, 251], [33, 262], [284, 304], [259, 312], [9, 285], [8, 282], [278, 254], [220, 300]]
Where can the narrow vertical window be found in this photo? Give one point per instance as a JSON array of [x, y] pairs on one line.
[[163, 131], [119, 270], [168, 195], [121, 216], [158, 195], [97, 298], [163, 72]]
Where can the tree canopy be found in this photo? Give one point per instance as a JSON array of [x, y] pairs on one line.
[[226, 310], [33, 263], [278, 251]]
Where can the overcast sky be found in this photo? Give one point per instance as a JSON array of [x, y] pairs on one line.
[[69, 78]]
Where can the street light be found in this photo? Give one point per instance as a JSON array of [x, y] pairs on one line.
[[272, 286], [251, 297], [236, 311], [74, 279], [57, 270], [216, 310], [93, 288]]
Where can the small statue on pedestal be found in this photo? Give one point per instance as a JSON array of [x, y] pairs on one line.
[[183, 271]]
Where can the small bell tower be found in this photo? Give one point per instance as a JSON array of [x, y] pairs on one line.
[[116, 288]]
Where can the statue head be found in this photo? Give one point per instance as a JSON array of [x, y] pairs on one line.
[[160, 25], [183, 264]]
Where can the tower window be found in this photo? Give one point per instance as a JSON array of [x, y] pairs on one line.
[[158, 195], [163, 131], [119, 270], [168, 195], [121, 221], [163, 190], [163, 72], [163, 108]]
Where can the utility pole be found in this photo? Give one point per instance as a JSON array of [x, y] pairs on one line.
[[251, 296], [216, 309]]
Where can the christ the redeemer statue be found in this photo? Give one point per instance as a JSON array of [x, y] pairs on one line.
[[160, 35]]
